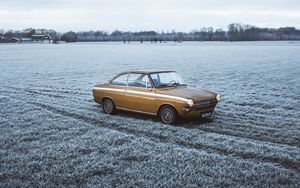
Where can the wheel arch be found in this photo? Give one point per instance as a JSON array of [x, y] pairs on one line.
[[166, 104], [107, 97]]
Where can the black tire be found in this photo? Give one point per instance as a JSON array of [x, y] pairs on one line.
[[168, 115], [108, 106]]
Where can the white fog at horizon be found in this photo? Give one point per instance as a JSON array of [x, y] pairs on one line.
[[141, 15]]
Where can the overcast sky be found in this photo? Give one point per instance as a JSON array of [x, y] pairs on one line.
[[138, 15]]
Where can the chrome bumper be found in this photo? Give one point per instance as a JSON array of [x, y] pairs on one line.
[[202, 105]]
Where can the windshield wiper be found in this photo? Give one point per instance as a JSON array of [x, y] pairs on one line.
[[181, 84], [163, 85], [171, 85], [177, 84]]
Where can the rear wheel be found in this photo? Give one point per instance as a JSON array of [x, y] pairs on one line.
[[168, 115], [109, 106]]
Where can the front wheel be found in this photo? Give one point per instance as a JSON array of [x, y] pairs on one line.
[[109, 106], [168, 115]]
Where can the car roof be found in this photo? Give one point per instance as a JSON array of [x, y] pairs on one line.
[[146, 71]]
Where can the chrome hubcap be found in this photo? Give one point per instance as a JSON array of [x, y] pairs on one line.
[[167, 115], [108, 106]]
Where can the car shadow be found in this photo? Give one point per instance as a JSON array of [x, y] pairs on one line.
[[187, 123], [195, 122], [137, 116]]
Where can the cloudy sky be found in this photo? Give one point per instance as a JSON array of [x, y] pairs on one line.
[[138, 15]]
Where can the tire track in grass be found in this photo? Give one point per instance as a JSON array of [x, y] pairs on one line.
[[251, 119], [238, 131], [290, 165], [249, 131], [58, 90], [229, 116], [31, 91]]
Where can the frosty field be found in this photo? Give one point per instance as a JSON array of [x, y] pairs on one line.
[[52, 133]]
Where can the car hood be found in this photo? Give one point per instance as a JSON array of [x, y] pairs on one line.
[[187, 92]]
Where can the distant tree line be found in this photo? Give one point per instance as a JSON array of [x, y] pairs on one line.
[[239, 32], [235, 32]]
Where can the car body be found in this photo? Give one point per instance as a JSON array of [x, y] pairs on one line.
[[158, 93]]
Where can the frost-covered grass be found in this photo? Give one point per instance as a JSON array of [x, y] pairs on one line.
[[53, 134]]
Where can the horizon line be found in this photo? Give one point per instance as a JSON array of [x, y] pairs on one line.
[[148, 30]]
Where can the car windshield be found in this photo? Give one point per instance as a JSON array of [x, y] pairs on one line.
[[167, 79]]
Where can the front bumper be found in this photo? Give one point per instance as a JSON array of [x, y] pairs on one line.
[[199, 108], [196, 113], [202, 105]]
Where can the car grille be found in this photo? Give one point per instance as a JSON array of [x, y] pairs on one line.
[[211, 103]]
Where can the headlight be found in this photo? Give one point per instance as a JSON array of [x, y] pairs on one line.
[[218, 97], [190, 102]]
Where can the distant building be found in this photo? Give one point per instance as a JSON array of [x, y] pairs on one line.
[[40, 38], [34, 38], [13, 40], [26, 40]]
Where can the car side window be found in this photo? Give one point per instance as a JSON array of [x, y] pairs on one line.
[[155, 79], [139, 80], [120, 80]]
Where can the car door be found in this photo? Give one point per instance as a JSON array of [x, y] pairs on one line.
[[140, 93], [117, 90]]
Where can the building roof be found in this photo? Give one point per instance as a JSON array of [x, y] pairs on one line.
[[13, 39], [147, 71]]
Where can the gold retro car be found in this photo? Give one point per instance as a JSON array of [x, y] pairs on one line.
[[158, 93]]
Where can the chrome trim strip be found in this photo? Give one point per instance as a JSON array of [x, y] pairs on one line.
[[157, 95], [108, 89], [142, 93], [126, 109]]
